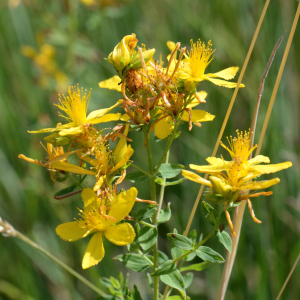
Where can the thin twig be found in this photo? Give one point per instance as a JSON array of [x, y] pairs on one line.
[[288, 278]]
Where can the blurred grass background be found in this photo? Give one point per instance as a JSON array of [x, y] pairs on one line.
[[83, 35]]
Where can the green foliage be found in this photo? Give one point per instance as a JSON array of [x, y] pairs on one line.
[[136, 176], [180, 241], [174, 280], [146, 212], [209, 255], [165, 214], [166, 268], [224, 238], [134, 261], [170, 170], [147, 238], [196, 267]]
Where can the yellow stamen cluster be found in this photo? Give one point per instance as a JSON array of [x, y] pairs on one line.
[[75, 105], [200, 57]]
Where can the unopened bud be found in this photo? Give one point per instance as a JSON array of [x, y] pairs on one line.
[[220, 186], [121, 55]]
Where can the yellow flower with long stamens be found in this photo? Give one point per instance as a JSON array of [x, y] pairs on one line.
[[232, 181], [75, 107], [107, 162], [165, 125], [94, 220], [194, 64]]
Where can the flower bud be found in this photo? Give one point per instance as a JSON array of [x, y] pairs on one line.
[[136, 63], [121, 55], [220, 186], [189, 85]]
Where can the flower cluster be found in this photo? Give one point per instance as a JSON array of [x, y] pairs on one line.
[[239, 180]]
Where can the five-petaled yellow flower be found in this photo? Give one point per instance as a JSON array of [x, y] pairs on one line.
[[93, 219], [193, 66], [75, 107], [239, 177]]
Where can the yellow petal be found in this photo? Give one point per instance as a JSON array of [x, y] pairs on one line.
[[163, 128], [99, 183], [257, 185], [209, 169], [171, 45], [71, 131], [217, 161], [267, 169], [88, 159], [124, 159], [194, 177], [89, 197], [71, 231], [124, 118], [121, 147], [53, 129], [94, 251], [224, 83], [121, 235], [59, 165], [227, 74], [202, 95], [197, 116], [111, 83], [101, 112], [106, 118], [259, 159], [122, 205]]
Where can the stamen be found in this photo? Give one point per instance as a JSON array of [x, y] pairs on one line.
[[252, 212]]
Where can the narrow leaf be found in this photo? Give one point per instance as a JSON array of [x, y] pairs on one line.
[[188, 279], [196, 267], [180, 241], [134, 261], [164, 214], [166, 268], [170, 170], [147, 237], [210, 214], [136, 176], [136, 294], [225, 239], [174, 280], [209, 255], [146, 212], [65, 191]]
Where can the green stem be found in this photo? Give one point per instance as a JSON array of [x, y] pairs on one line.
[[169, 143], [147, 224], [153, 198], [196, 247], [162, 192], [77, 182], [55, 259], [139, 169]]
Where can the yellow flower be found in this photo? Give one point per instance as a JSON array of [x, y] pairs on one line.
[[165, 125], [93, 219], [122, 53], [106, 162], [240, 173], [57, 161], [194, 65], [75, 107]]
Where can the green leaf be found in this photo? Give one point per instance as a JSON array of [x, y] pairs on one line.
[[65, 191], [159, 181], [136, 176], [177, 297], [180, 241], [167, 183], [147, 237], [174, 280], [164, 214], [188, 279], [166, 268], [105, 281], [150, 280], [136, 294], [175, 252], [225, 239], [134, 261], [169, 170], [146, 212], [193, 235], [108, 297], [162, 257], [209, 255], [196, 267], [115, 283], [210, 214], [189, 257]]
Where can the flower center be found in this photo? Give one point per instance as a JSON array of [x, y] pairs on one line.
[[199, 58], [93, 219], [75, 105]]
